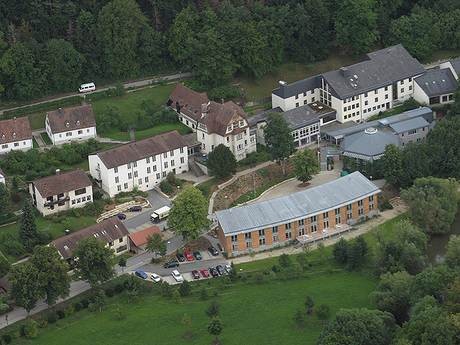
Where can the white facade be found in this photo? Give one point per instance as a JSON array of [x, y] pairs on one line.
[[421, 97], [79, 134], [144, 174], [22, 145], [295, 101], [120, 245]]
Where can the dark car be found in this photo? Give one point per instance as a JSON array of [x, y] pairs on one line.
[[220, 269], [213, 272], [121, 216], [171, 264], [197, 255], [213, 251], [195, 274], [220, 247], [180, 257], [135, 208], [141, 274]]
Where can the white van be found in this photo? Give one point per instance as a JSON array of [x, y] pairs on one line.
[[87, 87], [160, 214]]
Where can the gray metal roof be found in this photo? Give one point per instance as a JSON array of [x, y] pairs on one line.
[[298, 87], [367, 144], [404, 126], [424, 112], [437, 82], [296, 206], [456, 65], [384, 67]]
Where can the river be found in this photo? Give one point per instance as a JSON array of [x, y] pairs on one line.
[[437, 244]]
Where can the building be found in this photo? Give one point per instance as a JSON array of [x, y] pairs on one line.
[[436, 86], [71, 124], [61, 192], [453, 65], [214, 123], [2, 177], [358, 91], [142, 164], [304, 122], [15, 134], [111, 231], [139, 239], [317, 210]]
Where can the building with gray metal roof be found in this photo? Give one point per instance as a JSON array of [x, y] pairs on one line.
[[436, 82]]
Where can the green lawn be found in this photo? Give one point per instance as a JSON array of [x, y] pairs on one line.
[[37, 120], [46, 138], [167, 127]]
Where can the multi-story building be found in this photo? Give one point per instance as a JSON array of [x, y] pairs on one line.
[[436, 86], [358, 91], [15, 134], [317, 210], [214, 123], [61, 192], [111, 231], [70, 124], [142, 164]]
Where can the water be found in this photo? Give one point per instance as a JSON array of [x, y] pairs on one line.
[[437, 244]]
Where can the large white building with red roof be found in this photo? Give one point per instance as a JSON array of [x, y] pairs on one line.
[[15, 134]]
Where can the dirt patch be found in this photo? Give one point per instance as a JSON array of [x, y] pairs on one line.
[[201, 243]]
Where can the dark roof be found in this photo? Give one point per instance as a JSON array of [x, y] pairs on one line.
[[190, 101], [437, 82], [456, 65], [62, 182], [191, 140], [16, 129], [68, 119], [108, 230], [134, 151], [383, 67], [298, 87]]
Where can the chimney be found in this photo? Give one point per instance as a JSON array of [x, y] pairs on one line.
[[222, 100], [205, 109], [60, 111], [58, 171], [345, 72], [282, 83]]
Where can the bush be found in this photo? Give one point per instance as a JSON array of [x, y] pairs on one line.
[[4, 308], [60, 314], [6, 338], [166, 187], [110, 292], [185, 289], [385, 205], [213, 309], [69, 310], [323, 311], [171, 178], [52, 317], [30, 329], [78, 306], [224, 92], [284, 260], [84, 303], [42, 323]]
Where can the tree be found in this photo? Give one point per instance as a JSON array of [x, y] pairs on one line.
[[25, 286], [433, 203], [221, 162], [28, 232], [185, 289], [98, 300], [299, 318], [392, 165], [359, 327], [432, 281], [309, 304], [453, 252], [95, 261], [356, 26], [122, 262], [189, 213], [53, 278], [340, 251], [279, 140], [4, 199], [356, 253], [213, 309], [85, 41], [177, 298], [215, 328], [305, 165], [452, 301], [393, 294], [156, 245], [284, 260], [5, 265]]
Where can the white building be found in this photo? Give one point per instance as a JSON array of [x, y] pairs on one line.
[[2, 177], [111, 232], [436, 86], [358, 91], [15, 134], [214, 123], [71, 124], [142, 164], [61, 192]]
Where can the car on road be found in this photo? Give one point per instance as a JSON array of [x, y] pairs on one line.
[[171, 264], [136, 208], [177, 276], [155, 277], [204, 273], [180, 257], [121, 216], [220, 247], [195, 274], [197, 255], [228, 268], [141, 274], [189, 256], [213, 251], [220, 269], [213, 272]]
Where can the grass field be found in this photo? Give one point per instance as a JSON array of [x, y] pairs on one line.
[[167, 127]]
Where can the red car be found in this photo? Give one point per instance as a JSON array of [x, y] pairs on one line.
[[204, 273], [189, 256]]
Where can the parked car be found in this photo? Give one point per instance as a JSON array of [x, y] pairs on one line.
[[171, 264], [213, 272], [155, 277], [204, 273], [189, 256], [197, 255], [213, 251], [177, 276], [136, 208], [220, 247], [141, 274], [195, 274], [121, 216], [228, 268], [220, 269], [180, 257]]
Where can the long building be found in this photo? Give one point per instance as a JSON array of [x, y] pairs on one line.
[[317, 210]]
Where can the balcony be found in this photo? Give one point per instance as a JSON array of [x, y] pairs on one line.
[[56, 201]]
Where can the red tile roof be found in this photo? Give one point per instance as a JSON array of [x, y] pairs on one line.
[[141, 237], [189, 101], [62, 182], [16, 129], [68, 119]]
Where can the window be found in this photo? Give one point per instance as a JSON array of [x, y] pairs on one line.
[[171, 153], [234, 238], [166, 165], [139, 181], [80, 191], [386, 88], [297, 105], [262, 232], [147, 160], [83, 198], [118, 188], [366, 102], [365, 95], [163, 174], [88, 197], [146, 179], [402, 81], [68, 134], [129, 165], [410, 87], [412, 131], [4, 146], [360, 203], [135, 164], [181, 150], [172, 163], [371, 198], [126, 186], [117, 179], [73, 201], [247, 236], [386, 96], [158, 176], [325, 224], [154, 168], [326, 215], [135, 174], [288, 235], [313, 219], [115, 170], [288, 226], [376, 91], [301, 222], [410, 79], [360, 211], [314, 228], [296, 96], [262, 241], [376, 99], [275, 229], [165, 155], [182, 160], [80, 132], [402, 90], [344, 109], [148, 170], [154, 158], [120, 240]]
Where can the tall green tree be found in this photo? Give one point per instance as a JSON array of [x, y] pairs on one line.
[[5, 265], [28, 232], [25, 286], [4, 199], [54, 281], [392, 165], [215, 328], [453, 252], [432, 203], [85, 41], [279, 140], [95, 261], [156, 245], [189, 213], [340, 251], [305, 165], [221, 162]]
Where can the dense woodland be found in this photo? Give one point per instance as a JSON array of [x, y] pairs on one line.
[[54, 46]]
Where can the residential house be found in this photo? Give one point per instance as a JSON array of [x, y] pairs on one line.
[[111, 232], [307, 215], [358, 91], [139, 239], [61, 192], [214, 123], [436, 86], [142, 164], [71, 124], [15, 134]]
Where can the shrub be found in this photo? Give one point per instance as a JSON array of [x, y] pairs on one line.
[[110, 292], [259, 278], [299, 318], [166, 187], [284, 260], [69, 310], [30, 329], [78, 306], [42, 323], [119, 288], [213, 309], [185, 289], [6, 338], [4, 308], [60, 314], [52, 317], [171, 178], [323, 311], [84, 303], [385, 205]]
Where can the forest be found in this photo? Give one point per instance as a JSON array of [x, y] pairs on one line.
[[51, 46]]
